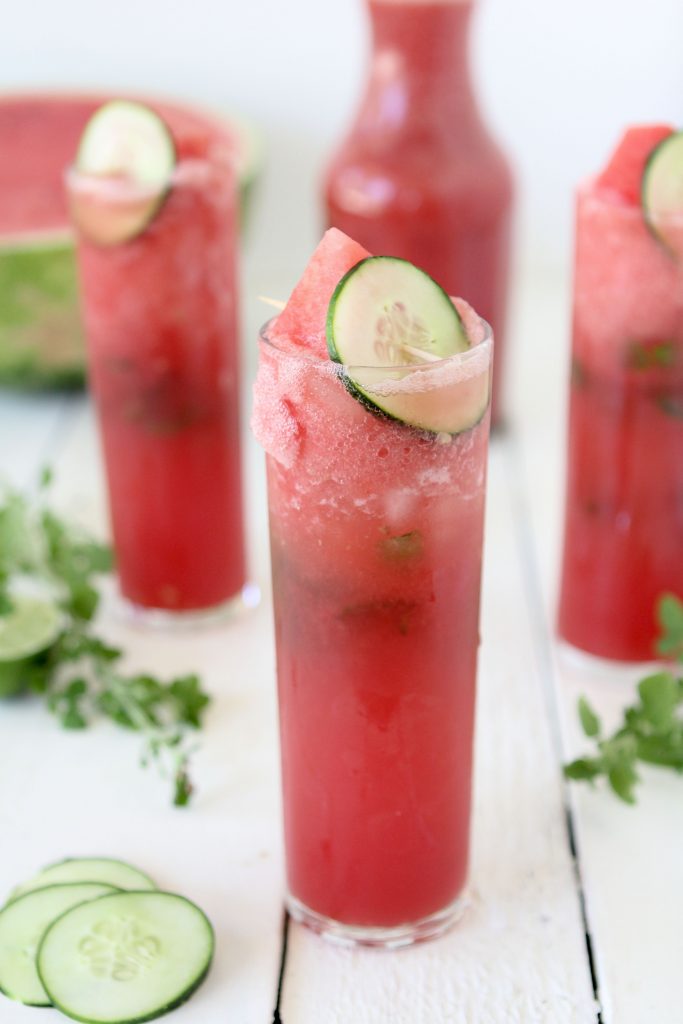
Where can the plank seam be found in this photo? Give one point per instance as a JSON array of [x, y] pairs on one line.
[[541, 627], [277, 1019]]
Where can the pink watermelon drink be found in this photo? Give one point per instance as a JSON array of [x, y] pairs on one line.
[[623, 544], [376, 475], [418, 174], [156, 253]]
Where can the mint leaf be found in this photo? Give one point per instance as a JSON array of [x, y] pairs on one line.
[[659, 696], [79, 676], [590, 722], [670, 618], [623, 778], [651, 729], [584, 769]]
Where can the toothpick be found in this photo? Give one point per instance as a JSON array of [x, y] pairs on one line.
[[275, 303], [420, 353]]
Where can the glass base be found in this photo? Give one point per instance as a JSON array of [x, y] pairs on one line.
[[581, 662], [351, 935], [163, 618]]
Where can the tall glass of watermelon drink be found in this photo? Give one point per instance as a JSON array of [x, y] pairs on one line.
[[376, 544], [623, 545], [157, 270]]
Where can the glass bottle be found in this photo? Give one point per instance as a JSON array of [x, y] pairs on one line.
[[418, 175]]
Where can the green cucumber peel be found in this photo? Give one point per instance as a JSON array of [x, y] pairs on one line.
[[662, 194], [388, 318], [124, 141]]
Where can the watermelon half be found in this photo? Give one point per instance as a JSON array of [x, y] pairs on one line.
[[41, 339]]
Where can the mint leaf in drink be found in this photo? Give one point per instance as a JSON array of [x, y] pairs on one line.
[[641, 355], [651, 730]]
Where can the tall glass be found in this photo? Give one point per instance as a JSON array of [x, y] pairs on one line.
[[376, 544], [623, 544], [161, 323]]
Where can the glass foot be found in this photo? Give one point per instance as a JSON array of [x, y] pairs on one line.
[[162, 618], [573, 659], [395, 937]]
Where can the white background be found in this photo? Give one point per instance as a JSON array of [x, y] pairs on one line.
[[557, 80]]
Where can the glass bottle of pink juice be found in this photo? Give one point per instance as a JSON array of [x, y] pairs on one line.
[[418, 175], [157, 270], [623, 540]]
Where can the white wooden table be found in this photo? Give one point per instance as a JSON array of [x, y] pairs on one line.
[[576, 899]]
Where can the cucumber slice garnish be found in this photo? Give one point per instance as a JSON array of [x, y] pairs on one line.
[[22, 926], [26, 632], [387, 317], [88, 869], [126, 957], [662, 193], [122, 141]]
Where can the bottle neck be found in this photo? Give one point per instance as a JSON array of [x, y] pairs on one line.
[[423, 46]]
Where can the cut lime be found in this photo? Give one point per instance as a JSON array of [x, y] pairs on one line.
[[662, 193], [392, 325], [26, 633], [123, 142]]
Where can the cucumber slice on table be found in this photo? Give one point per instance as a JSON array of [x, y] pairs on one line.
[[26, 632], [387, 315], [662, 193], [23, 922], [88, 869], [125, 958], [122, 142]]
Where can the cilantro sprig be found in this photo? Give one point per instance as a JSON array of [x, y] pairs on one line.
[[652, 727], [80, 676]]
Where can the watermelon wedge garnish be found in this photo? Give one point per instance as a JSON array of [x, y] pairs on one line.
[[624, 171], [304, 318]]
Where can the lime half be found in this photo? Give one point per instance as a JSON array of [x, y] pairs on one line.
[[26, 633]]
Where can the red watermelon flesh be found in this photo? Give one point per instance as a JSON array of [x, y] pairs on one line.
[[624, 172], [304, 317]]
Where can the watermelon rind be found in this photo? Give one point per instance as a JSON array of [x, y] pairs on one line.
[[41, 337]]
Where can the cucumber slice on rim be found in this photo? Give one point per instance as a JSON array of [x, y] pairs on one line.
[[88, 869], [22, 926], [123, 142], [662, 193], [391, 326], [126, 957]]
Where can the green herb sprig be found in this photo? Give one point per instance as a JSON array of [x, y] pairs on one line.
[[652, 728], [79, 676]]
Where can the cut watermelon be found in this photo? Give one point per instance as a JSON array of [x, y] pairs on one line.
[[305, 315], [41, 342], [624, 172]]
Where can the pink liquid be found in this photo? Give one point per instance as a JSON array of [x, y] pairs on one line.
[[160, 315], [623, 543], [418, 175], [376, 539]]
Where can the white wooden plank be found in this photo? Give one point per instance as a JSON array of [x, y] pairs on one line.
[[65, 794], [31, 431], [519, 953], [631, 859]]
